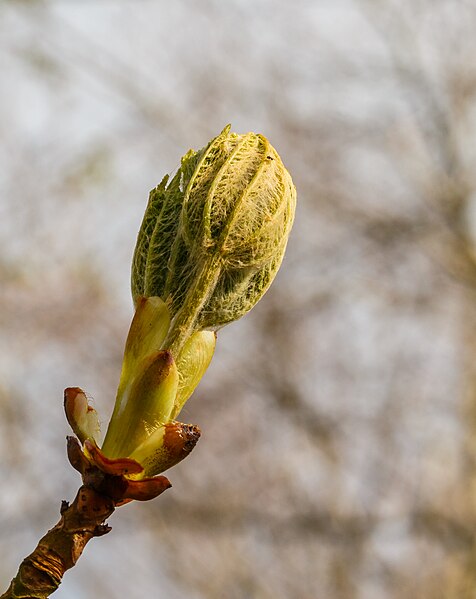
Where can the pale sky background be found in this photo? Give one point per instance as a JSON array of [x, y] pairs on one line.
[[335, 414]]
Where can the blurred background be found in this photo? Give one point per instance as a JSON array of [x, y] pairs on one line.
[[338, 456]]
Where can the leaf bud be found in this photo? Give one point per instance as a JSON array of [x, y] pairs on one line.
[[213, 238]]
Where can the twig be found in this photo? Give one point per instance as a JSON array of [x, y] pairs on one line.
[[40, 573]]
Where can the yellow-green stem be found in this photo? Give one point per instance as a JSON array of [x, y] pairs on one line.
[[183, 325]]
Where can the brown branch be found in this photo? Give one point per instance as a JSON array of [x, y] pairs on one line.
[[105, 488], [40, 573]]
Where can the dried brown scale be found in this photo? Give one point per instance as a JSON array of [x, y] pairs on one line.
[[109, 477], [179, 440]]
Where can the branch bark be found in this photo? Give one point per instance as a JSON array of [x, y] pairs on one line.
[[40, 573]]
